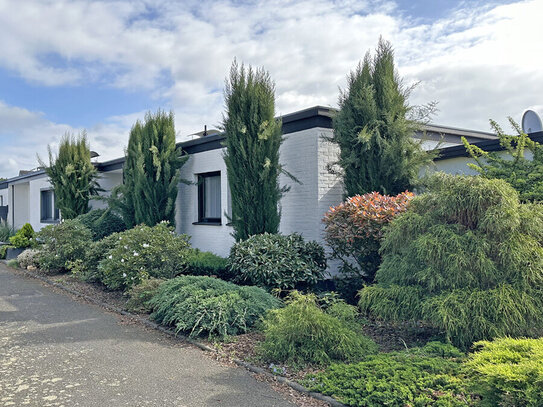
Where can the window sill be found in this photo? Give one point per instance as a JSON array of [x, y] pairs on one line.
[[208, 223], [49, 221]]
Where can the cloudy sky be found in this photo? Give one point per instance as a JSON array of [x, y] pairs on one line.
[[100, 65]]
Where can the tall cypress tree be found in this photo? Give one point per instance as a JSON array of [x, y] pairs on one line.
[[72, 175], [373, 131], [151, 171], [253, 138]]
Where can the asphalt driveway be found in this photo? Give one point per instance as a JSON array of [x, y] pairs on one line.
[[55, 351]]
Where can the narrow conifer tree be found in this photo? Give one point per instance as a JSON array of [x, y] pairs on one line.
[[151, 171], [72, 175], [373, 131], [253, 138]]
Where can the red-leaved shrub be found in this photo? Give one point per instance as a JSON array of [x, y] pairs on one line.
[[354, 229]]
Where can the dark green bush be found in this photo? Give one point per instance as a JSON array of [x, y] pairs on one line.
[[277, 261], [87, 269], [302, 332], [23, 238], [207, 264], [394, 379], [466, 258], [199, 305], [102, 223], [144, 252], [63, 245], [140, 295], [508, 372]]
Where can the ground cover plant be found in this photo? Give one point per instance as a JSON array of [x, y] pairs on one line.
[[102, 223], [508, 372], [409, 378], [466, 258], [277, 261], [354, 228], [143, 252], [199, 305], [302, 333], [62, 245]]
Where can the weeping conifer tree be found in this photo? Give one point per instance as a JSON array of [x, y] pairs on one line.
[[151, 172], [253, 138], [72, 175], [373, 131]]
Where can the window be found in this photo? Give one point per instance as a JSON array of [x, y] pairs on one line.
[[49, 211], [209, 197]]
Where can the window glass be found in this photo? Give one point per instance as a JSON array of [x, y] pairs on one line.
[[209, 197], [49, 211]]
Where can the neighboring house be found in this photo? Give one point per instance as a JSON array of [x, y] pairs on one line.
[[204, 205]]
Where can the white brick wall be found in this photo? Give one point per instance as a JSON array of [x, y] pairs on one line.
[[216, 239]]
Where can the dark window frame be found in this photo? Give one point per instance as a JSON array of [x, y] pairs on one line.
[[55, 211], [201, 199]]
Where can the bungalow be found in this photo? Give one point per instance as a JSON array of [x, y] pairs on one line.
[[203, 206]]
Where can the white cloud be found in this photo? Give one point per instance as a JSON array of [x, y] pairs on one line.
[[478, 62], [25, 135]]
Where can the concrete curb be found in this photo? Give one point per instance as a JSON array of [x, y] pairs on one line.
[[255, 369]]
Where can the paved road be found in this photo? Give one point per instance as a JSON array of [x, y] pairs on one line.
[[55, 351]]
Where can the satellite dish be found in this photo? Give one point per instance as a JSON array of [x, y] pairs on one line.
[[531, 120]]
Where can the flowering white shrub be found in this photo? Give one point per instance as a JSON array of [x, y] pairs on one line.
[[144, 252], [28, 258]]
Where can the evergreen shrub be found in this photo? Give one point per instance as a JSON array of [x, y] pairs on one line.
[[6, 231], [508, 372], [395, 379], [87, 269], [302, 332], [466, 258], [354, 230], [140, 295], [199, 305], [63, 245], [144, 252], [206, 264], [277, 261], [102, 223], [23, 238]]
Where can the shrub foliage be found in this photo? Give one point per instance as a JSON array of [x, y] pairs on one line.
[[23, 238], [102, 223], [354, 230], [508, 372], [467, 258], [206, 264], [373, 129], [522, 173], [253, 138], [205, 305], [277, 261], [73, 176], [63, 244], [302, 333], [140, 295], [144, 252]]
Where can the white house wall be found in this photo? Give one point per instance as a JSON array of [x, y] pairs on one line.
[[19, 200], [108, 181], [214, 238]]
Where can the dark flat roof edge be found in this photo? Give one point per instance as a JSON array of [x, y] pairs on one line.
[[4, 184], [25, 176], [487, 145]]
